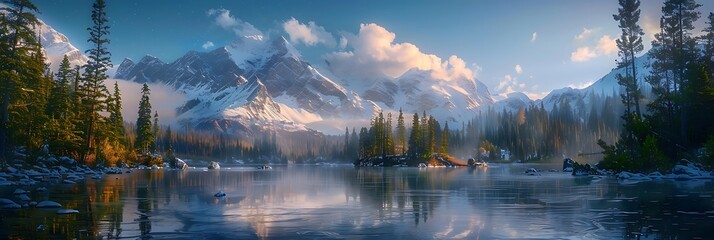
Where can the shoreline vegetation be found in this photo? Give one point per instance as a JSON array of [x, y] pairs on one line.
[[435, 160]]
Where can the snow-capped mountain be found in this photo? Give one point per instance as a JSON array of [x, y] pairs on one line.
[[513, 102], [56, 45], [417, 91], [606, 86], [252, 82]]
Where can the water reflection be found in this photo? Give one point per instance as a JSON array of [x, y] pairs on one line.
[[343, 202]]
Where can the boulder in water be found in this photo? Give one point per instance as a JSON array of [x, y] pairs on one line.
[[687, 170], [214, 165], [180, 164], [568, 165], [220, 194]]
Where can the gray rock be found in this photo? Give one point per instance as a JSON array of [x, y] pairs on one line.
[[48, 204], [24, 197], [214, 165]]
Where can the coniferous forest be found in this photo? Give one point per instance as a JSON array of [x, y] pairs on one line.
[[659, 117]]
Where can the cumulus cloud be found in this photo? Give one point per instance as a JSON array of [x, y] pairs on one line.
[[207, 45], [374, 54], [582, 54], [605, 46], [310, 34], [534, 36], [518, 69], [224, 19], [584, 34], [507, 80], [343, 42], [163, 99]]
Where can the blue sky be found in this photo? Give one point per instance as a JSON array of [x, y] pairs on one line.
[[525, 46]]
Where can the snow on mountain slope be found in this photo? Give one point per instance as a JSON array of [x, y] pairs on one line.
[[56, 45], [513, 102], [606, 86], [295, 93], [417, 91]]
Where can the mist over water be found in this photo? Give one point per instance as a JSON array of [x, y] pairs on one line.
[[337, 202]]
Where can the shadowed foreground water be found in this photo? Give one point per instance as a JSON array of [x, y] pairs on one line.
[[343, 202]]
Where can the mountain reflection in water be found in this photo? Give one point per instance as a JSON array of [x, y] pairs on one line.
[[308, 202]]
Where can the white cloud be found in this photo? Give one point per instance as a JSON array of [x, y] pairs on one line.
[[163, 99], [584, 34], [582, 54], [343, 42], [207, 45], [224, 19], [534, 36], [519, 69], [605, 46], [507, 80], [374, 55], [310, 34]]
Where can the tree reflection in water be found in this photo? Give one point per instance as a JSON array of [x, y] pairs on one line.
[[330, 202]]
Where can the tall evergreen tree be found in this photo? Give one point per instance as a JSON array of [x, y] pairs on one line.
[[17, 41], [444, 148], [60, 131], [93, 92], [708, 39], [674, 49], [116, 120], [144, 134], [414, 149], [401, 133], [346, 147], [155, 131], [629, 44]]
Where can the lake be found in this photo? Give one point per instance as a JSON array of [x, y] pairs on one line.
[[343, 202]]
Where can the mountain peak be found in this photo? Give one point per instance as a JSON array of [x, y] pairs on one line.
[[56, 45]]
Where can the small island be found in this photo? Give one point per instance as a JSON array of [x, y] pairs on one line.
[[377, 146]]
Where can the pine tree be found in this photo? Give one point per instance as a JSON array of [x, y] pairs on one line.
[[144, 137], [401, 134], [673, 50], [388, 137], [346, 147], [60, 132], [414, 149], [93, 92], [17, 41], [630, 44], [431, 136], [445, 139], [708, 39], [116, 120], [155, 132]]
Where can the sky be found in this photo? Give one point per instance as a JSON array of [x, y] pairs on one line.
[[511, 46]]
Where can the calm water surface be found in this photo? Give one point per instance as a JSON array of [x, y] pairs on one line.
[[343, 202]]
